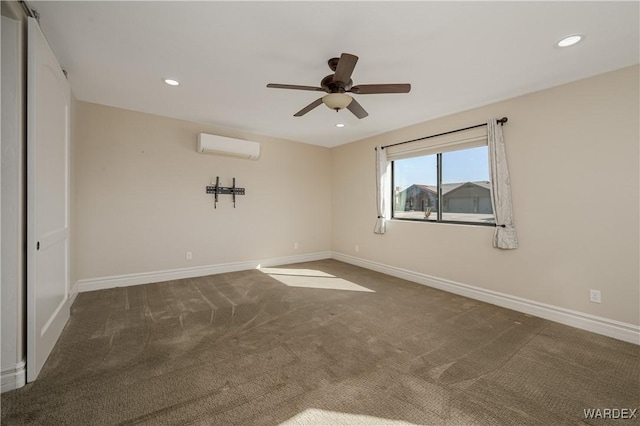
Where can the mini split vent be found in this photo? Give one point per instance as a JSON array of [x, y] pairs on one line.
[[220, 145]]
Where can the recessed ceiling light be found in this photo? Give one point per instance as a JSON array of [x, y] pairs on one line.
[[339, 125], [570, 40], [171, 82]]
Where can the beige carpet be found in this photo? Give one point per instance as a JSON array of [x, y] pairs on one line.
[[318, 343]]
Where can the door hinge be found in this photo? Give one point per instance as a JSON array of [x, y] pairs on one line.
[[38, 245]]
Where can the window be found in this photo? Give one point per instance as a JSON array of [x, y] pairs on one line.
[[449, 185]]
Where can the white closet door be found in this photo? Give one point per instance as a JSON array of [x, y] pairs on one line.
[[48, 108]]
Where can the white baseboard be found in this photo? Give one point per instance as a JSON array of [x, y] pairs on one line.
[[607, 327], [73, 293], [176, 274], [13, 377]]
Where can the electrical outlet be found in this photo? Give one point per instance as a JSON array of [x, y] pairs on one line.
[[189, 255], [357, 248], [595, 296], [296, 246]]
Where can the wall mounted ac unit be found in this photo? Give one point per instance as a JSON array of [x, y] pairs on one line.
[[220, 145]]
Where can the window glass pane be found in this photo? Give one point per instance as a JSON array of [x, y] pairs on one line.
[[415, 188], [465, 186]]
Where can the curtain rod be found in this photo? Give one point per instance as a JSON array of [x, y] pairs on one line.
[[501, 121]]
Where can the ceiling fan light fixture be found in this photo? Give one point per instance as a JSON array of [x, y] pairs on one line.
[[337, 101]]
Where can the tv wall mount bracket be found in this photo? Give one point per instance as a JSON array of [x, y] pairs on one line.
[[217, 189]]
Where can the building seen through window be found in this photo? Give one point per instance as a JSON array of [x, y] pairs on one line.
[[452, 186]]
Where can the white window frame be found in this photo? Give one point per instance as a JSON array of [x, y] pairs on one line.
[[467, 139]]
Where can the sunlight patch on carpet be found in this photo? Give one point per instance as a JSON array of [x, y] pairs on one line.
[[313, 416], [310, 278]]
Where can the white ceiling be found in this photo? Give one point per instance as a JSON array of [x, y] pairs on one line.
[[456, 55]]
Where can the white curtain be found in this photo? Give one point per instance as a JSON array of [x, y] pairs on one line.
[[505, 236], [383, 189]]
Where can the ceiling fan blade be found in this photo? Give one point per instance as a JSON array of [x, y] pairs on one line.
[[345, 67], [367, 89], [357, 109], [308, 108], [293, 86]]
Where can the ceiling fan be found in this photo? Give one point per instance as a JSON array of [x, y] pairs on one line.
[[337, 86]]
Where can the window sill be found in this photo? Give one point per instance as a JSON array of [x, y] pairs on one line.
[[445, 222]]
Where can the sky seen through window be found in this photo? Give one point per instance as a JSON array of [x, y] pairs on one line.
[[467, 165]]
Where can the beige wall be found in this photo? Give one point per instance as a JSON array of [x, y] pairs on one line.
[[573, 155], [140, 199], [74, 125]]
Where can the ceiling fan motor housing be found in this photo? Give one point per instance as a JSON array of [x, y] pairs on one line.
[[333, 63], [331, 86]]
